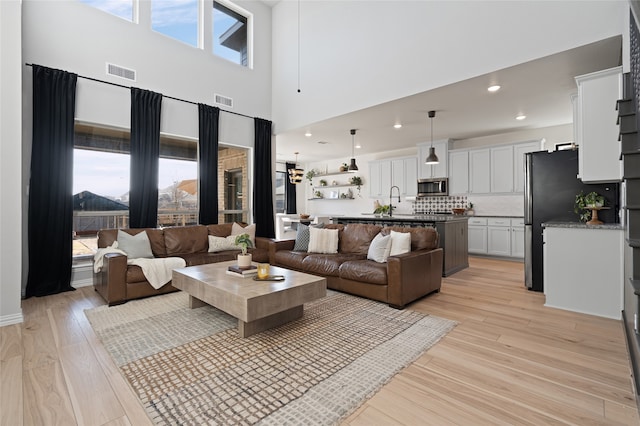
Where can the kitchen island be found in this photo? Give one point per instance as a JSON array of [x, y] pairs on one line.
[[452, 230]]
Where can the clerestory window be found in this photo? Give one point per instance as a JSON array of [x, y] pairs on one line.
[[120, 8], [231, 32]]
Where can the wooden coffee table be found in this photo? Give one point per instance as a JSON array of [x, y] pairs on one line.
[[258, 305]]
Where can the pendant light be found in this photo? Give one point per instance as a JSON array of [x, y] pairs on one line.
[[352, 166], [432, 158], [295, 174]]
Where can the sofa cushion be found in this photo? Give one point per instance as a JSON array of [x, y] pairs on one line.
[[290, 259], [136, 246], [366, 271], [400, 243], [380, 248], [302, 236], [106, 237], [323, 240], [217, 244], [327, 264], [356, 238], [186, 239], [134, 274], [238, 229], [220, 229], [421, 238], [194, 259]]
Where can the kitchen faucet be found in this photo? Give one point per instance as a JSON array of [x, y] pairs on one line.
[[391, 195]]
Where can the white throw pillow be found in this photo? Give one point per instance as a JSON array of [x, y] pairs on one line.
[[217, 244], [400, 243], [136, 246], [323, 240], [237, 229], [380, 248]]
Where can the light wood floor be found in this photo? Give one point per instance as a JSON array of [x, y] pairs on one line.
[[510, 360]]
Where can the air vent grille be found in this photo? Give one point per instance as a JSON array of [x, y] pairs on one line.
[[223, 100], [121, 72]]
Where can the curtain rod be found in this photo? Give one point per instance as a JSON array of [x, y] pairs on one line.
[[164, 96]]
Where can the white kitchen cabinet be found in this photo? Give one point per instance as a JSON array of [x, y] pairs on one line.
[[479, 171], [499, 236], [596, 126], [477, 235], [518, 162], [426, 171], [517, 238], [405, 175], [584, 270], [458, 172], [402, 172], [379, 178], [501, 167]]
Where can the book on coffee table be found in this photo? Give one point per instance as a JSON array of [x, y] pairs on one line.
[[242, 271]]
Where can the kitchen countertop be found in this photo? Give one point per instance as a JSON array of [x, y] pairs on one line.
[[581, 225], [407, 217]]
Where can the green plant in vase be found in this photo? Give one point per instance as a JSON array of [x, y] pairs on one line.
[[310, 175], [357, 181], [244, 242], [585, 202]]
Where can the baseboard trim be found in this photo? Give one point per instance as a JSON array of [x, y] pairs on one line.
[[11, 319]]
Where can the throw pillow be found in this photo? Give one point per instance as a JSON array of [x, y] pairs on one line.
[[136, 246], [302, 236], [217, 244], [380, 248], [323, 240], [400, 243], [237, 229]]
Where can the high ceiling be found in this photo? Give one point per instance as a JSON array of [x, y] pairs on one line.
[[539, 89]]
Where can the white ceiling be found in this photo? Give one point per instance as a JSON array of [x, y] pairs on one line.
[[539, 89]]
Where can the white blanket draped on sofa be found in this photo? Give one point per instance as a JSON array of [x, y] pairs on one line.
[[157, 271]]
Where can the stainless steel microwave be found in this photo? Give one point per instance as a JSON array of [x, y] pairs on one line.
[[433, 187]]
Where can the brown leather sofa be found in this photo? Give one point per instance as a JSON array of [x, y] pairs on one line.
[[118, 282], [401, 280]]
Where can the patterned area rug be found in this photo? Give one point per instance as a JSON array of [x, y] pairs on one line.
[[189, 366]]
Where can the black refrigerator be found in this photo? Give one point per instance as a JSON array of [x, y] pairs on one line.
[[551, 186]]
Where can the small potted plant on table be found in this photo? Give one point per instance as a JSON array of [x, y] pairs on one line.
[[244, 242]]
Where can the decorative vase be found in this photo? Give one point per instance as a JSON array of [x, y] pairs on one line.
[[244, 260]]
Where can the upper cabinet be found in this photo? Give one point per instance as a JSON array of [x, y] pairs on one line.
[[502, 169], [479, 171], [596, 128], [402, 172], [427, 171], [491, 170], [458, 172]]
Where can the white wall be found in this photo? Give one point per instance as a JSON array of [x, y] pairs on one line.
[[10, 162], [355, 54], [552, 135]]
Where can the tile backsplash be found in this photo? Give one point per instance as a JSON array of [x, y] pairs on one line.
[[439, 204]]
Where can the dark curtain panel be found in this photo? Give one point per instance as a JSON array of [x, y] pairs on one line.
[[208, 164], [262, 186], [50, 213], [290, 191], [145, 155]]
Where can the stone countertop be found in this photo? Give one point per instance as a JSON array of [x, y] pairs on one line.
[[581, 225], [498, 215], [406, 218]]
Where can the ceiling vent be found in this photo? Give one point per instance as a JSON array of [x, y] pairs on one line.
[[223, 100], [121, 72]]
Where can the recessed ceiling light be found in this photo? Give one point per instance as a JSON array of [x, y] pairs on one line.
[[521, 117], [308, 134], [493, 88], [397, 126], [358, 146]]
